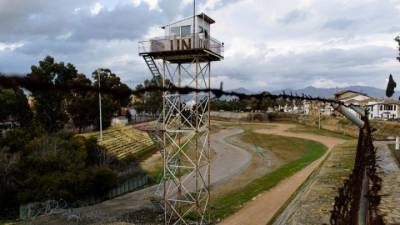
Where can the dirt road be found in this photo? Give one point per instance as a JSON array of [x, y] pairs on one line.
[[262, 209]]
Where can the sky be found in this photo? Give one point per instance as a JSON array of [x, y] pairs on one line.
[[269, 44]]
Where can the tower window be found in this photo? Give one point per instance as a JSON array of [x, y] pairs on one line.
[[175, 31], [186, 30]]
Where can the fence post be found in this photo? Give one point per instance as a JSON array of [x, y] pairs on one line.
[[397, 143]]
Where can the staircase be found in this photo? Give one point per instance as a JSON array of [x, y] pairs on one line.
[[156, 136], [152, 65]]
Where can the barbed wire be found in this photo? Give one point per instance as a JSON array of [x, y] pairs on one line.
[[34, 84]]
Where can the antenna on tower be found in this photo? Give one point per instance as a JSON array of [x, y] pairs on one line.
[[194, 24]]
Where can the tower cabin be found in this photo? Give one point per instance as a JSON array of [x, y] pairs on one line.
[[183, 42]]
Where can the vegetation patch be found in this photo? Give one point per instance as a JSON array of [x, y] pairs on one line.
[[297, 152], [247, 126], [7, 222]]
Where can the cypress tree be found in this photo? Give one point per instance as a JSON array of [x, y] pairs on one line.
[[390, 86]]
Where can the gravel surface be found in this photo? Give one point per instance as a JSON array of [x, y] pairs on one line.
[[390, 192]]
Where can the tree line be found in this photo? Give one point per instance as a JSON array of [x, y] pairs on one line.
[[42, 157]]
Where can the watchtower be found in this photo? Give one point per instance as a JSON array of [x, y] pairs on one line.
[[183, 58]]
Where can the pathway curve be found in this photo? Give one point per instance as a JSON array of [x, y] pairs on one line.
[[263, 208]]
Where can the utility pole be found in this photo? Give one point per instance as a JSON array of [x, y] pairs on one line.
[[101, 120], [319, 117]]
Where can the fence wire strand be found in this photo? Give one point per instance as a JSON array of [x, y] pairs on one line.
[[347, 204]]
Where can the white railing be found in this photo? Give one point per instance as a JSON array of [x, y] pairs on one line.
[[181, 43]]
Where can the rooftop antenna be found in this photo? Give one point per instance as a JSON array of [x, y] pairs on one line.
[[194, 23]]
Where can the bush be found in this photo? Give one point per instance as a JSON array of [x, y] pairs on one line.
[[102, 179], [59, 167]]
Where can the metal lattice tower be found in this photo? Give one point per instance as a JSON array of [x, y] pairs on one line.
[[184, 125]]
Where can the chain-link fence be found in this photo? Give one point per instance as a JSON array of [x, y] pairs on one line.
[[358, 199]]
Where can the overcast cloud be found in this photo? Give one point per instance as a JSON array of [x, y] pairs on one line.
[[269, 44]]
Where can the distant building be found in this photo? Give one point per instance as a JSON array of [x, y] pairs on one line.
[[7, 125], [121, 117], [316, 107], [384, 109]]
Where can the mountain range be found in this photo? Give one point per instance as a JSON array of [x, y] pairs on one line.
[[325, 92]]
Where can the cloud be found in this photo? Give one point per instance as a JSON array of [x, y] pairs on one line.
[[293, 17], [339, 24], [96, 9], [10, 46], [153, 4], [324, 83], [268, 44]]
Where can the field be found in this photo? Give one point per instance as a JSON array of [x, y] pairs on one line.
[[123, 141], [322, 132]]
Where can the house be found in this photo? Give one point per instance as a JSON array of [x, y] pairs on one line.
[[384, 109], [121, 117], [316, 107], [349, 97]]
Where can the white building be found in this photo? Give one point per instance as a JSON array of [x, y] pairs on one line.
[[184, 27], [384, 109]]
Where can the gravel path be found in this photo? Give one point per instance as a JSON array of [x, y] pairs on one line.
[[390, 174], [263, 208]]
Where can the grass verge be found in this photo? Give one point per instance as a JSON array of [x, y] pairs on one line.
[[305, 152]]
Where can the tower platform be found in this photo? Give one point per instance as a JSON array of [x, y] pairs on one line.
[[183, 49]]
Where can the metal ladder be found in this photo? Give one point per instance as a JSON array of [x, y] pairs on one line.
[[152, 65]]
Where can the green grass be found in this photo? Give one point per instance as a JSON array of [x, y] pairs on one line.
[[395, 153], [303, 153], [322, 132], [249, 126], [7, 222]]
